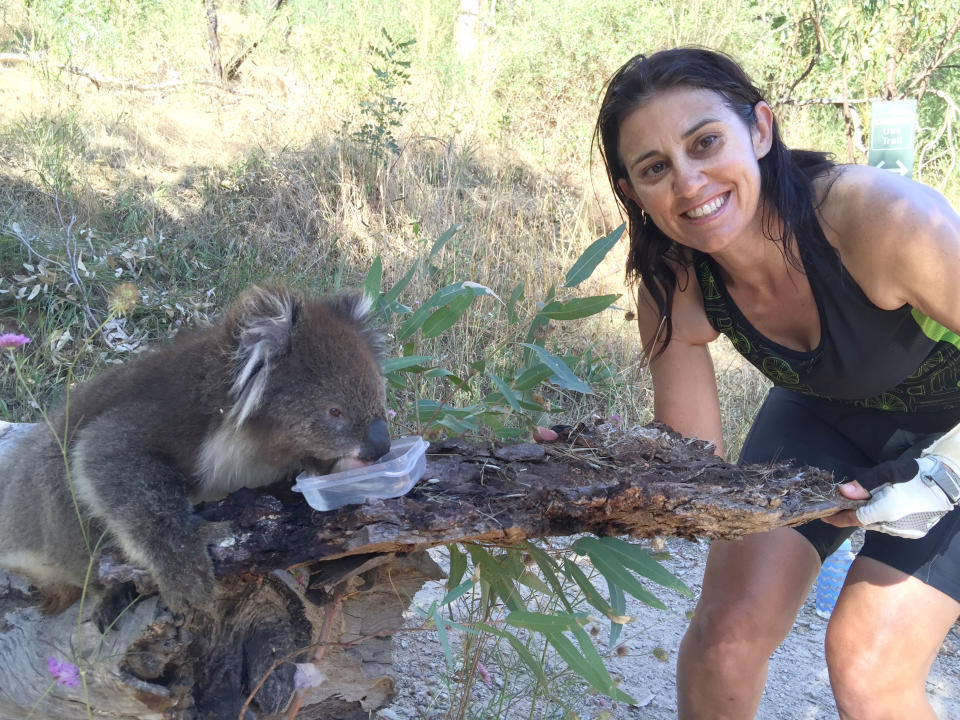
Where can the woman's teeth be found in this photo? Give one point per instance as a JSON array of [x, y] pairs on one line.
[[707, 209]]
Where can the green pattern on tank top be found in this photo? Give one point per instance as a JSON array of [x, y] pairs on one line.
[[935, 385], [934, 330]]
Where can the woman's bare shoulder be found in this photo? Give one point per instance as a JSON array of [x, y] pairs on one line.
[[689, 320], [883, 224]]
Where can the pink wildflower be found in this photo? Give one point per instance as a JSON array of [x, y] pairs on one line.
[[12, 340], [484, 675], [64, 672], [616, 419], [307, 675], [391, 414]]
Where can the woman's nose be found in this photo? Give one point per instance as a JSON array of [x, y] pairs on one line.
[[688, 178]]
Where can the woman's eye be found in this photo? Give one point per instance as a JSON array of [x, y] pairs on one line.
[[655, 169], [707, 141]]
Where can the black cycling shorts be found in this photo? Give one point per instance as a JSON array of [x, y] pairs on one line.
[[846, 440]]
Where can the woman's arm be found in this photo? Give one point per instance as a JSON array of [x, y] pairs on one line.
[[684, 383], [900, 240]]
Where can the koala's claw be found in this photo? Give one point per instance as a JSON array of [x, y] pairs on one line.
[[110, 608]]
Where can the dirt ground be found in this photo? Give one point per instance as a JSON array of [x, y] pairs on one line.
[[797, 686]]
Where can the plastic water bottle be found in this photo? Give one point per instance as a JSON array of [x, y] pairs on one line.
[[831, 577]]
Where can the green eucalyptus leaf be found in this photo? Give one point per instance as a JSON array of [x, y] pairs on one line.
[[393, 293], [545, 622], [460, 590], [413, 323], [405, 363], [549, 569], [562, 375], [534, 583], [591, 257], [507, 393], [443, 239], [515, 297], [458, 565], [507, 590], [618, 600], [611, 567], [443, 296], [457, 426], [444, 318], [439, 623], [371, 284], [521, 649], [424, 408], [640, 561], [599, 678], [589, 591], [578, 307], [532, 376]]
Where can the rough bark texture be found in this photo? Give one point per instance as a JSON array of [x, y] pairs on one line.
[[364, 563]]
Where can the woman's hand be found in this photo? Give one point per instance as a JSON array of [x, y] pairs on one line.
[[907, 497], [544, 435]]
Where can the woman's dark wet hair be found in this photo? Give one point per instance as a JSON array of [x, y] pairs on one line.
[[785, 174]]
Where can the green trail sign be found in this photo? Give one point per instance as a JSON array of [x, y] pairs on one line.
[[891, 136]]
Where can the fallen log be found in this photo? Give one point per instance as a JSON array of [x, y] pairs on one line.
[[356, 568]]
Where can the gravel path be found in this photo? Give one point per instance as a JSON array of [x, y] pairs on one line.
[[797, 686]]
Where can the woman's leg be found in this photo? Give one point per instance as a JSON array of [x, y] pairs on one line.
[[753, 589], [883, 636], [900, 599]]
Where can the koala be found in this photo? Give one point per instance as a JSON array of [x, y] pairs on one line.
[[280, 384]]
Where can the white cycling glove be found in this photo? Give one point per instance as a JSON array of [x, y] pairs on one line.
[[908, 497]]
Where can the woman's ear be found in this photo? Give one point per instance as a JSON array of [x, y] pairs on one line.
[[763, 132], [627, 189]]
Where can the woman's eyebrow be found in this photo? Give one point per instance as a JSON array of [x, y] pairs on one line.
[[691, 131], [688, 133]]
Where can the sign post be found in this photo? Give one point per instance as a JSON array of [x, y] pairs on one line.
[[891, 135]]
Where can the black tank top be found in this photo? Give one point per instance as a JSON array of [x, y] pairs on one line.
[[897, 360]]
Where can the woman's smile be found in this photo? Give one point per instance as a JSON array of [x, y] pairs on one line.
[[709, 209]]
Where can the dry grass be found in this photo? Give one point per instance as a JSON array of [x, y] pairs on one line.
[[216, 189]]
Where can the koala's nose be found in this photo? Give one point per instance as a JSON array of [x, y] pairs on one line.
[[377, 440]]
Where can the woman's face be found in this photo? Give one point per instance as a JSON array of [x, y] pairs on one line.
[[692, 165]]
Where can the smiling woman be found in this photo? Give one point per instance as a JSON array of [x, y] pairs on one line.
[[686, 171], [802, 263]]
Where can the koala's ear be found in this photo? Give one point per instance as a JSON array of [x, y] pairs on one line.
[[261, 321], [357, 309]]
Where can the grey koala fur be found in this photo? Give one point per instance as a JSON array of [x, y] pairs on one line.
[[280, 384]]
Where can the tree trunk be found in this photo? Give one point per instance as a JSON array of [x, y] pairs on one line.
[[364, 563], [213, 40], [233, 67]]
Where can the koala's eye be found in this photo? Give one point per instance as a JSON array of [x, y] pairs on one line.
[[335, 412]]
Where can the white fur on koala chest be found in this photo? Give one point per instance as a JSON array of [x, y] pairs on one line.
[[229, 460]]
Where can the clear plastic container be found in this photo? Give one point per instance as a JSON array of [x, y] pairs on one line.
[[391, 476]]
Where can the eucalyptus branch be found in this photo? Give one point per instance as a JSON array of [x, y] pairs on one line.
[[946, 128], [100, 80], [922, 79]]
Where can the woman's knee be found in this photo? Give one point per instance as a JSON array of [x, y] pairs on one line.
[[736, 634], [853, 668], [867, 680]]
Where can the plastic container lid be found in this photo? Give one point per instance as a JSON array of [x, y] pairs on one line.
[[393, 475]]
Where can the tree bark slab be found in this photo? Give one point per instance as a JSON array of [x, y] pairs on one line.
[[356, 569]]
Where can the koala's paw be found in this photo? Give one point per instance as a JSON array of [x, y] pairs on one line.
[[187, 581], [190, 584], [113, 604]]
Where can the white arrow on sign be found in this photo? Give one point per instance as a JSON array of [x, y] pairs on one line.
[[901, 168]]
